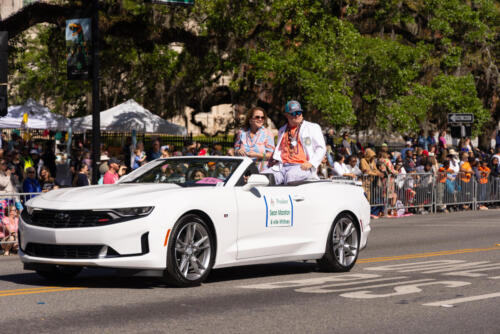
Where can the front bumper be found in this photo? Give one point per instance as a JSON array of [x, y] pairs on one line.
[[136, 244]]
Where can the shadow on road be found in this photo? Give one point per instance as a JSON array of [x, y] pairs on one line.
[[107, 278]]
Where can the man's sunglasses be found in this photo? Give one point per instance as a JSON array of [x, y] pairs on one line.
[[295, 113]]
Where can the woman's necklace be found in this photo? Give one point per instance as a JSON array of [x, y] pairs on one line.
[[252, 142]]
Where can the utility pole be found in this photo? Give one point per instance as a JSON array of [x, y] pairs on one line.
[[96, 121], [4, 70]]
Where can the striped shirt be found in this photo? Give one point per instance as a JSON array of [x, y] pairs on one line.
[[262, 141]]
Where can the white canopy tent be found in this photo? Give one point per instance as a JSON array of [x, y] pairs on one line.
[[39, 117], [129, 116]]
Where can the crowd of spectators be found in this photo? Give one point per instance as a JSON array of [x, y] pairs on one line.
[[402, 175], [27, 167]]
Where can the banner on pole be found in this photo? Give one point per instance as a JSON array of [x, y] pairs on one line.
[[79, 48]]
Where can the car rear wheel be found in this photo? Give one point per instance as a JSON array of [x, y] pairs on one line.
[[342, 246], [191, 252], [59, 273]]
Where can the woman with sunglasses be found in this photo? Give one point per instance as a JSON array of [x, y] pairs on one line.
[[255, 140]]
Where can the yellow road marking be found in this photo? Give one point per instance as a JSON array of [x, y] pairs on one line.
[[27, 289], [422, 255], [17, 293]]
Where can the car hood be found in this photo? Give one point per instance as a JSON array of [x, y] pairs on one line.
[[102, 196]]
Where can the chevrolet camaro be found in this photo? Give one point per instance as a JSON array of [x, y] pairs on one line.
[[181, 217]]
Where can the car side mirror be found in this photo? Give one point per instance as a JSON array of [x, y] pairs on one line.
[[256, 180]]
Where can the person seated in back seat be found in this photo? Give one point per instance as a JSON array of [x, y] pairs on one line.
[[300, 148]]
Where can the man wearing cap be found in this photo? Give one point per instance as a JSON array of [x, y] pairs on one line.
[[299, 150], [114, 172]]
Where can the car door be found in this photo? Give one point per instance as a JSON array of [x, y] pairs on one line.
[[271, 221]]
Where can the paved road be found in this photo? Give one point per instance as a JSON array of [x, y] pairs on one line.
[[421, 274]]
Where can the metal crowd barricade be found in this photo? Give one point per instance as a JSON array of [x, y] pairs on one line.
[[429, 191], [375, 190], [7, 200], [411, 190], [488, 192]]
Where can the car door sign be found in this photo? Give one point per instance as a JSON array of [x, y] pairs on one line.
[[279, 211]]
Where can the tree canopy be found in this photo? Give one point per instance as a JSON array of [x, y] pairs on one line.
[[396, 65]]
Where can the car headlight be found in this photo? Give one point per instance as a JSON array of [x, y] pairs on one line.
[[132, 212]]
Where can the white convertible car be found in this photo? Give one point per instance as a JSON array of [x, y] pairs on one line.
[[181, 217]]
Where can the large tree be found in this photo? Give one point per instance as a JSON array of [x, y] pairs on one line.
[[397, 65]]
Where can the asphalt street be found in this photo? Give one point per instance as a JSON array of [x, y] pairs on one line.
[[419, 274]]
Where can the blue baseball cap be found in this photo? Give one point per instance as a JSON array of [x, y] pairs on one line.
[[292, 106]]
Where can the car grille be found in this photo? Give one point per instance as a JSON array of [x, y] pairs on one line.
[[65, 251], [68, 219]]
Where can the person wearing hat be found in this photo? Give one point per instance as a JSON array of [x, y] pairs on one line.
[[299, 150], [114, 172], [454, 161]]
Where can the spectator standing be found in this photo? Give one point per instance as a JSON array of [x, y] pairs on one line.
[[6, 185], [26, 160], [444, 173], [82, 177], [482, 175], [49, 158], [155, 152], [115, 171], [442, 145], [454, 161], [405, 150], [497, 154], [466, 173], [255, 140], [346, 144], [30, 183], [10, 224], [370, 172], [217, 149], [127, 151], [139, 158], [47, 182], [330, 138], [103, 168], [340, 168], [64, 177], [422, 141], [431, 140], [352, 166], [165, 152]]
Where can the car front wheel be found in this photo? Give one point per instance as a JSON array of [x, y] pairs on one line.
[[191, 252], [342, 246]]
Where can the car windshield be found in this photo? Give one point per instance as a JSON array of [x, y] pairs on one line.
[[189, 172]]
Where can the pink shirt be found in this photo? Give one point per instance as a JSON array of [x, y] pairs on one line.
[[110, 177], [10, 225]]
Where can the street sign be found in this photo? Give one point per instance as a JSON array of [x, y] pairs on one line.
[[460, 118]]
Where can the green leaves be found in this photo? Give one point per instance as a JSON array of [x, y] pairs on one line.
[[395, 65]]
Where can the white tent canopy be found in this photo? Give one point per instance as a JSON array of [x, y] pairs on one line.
[[39, 117], [129, 116]]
